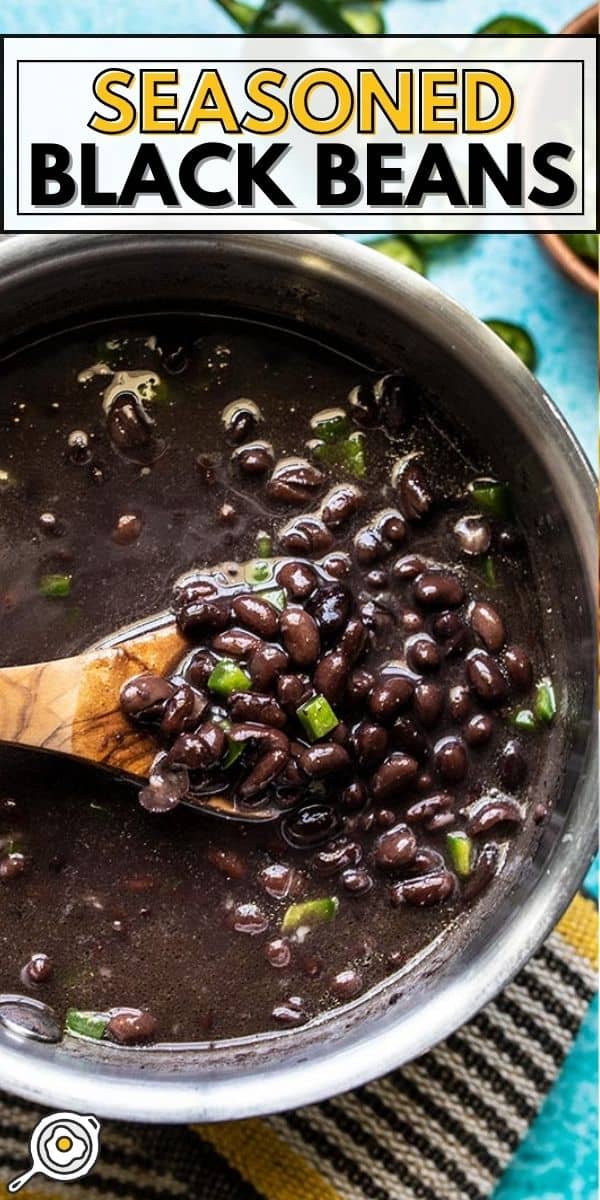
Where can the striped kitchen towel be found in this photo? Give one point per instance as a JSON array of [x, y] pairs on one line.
[[443, 1128]]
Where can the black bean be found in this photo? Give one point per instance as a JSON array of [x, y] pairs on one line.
[[363, 407], [423, 782], [38, 969], [249, 918], [131, 1026], [395, 847], [390, 693], [306, 535], [278, 953], [488, 624], [411, 621], [478, 730], [385, 818], [300, 636], [436, 589], [369, 546], [129, 427], [424, 891], [357, 881], [346, 985], [392, 526], [126, 530], [324, 759], [183, 710], [377, 580], [330, 607], [512, 764], [451, 759], [265, 664], [227, 514], [424, 810], [254, 459], [256, 706], [370, 743], [144, 697], [485, 677], [241, 424], [294, 482], [289, 1014], [166, 788], [257, 615], [207, 469], [416, 496], [277, 879], [336, 856], [199, 667], [440, 821], [459, 702], [422, 653], [196, 609], [268, 767], [394, 776], [428, 703], [341, 504], [405, 735], [474, 534], [200, 750], [359, 686], [378, 619], [339, 565], [227, 862], [407, 568], [331, 676], [492, 810], [235, 643], [292, 691], [309, 826], [299, 579], [483, 871], [353, 640], [354, 797], [519, 668]]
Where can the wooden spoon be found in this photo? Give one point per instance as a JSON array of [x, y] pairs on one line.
[[71, 706]]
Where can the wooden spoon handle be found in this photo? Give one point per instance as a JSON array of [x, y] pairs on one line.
[[72, 705]]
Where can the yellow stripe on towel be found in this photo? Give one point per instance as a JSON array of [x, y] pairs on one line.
[[265, 1161], [579, 927]]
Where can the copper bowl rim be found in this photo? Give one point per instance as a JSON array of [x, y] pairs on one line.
[[576, 268]]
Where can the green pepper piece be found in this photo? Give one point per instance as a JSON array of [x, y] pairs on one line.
[[517, 339], [85, 1024], [317, 717], [227, 677], [544, 704], [275, 596], [402, 251], [258, 572], [585, 245], [309, 912], [234, 749], [431, 240], [331, 425], [524, 720], [509, 26], [366, 21], [296, 17], [264, 545], [460, 850], [492, 497], [55, 587], [489, 571], [349, 454]]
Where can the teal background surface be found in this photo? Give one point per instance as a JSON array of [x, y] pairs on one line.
[[493, 275]]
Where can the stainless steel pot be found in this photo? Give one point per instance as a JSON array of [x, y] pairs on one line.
[[352, 296]]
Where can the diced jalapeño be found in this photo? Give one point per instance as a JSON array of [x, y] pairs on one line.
[[85, 1024], [544, 704], [460, 851], [317, 717], [227, 677], [309, 912]]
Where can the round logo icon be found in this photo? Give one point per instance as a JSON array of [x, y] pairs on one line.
[[63, 1146]]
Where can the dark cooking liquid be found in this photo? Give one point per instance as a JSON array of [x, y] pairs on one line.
[[136, 909]]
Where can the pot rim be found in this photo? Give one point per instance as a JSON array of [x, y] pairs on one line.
[[339, 1064]]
